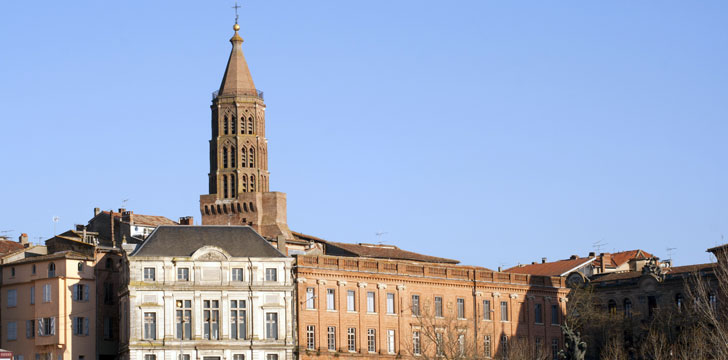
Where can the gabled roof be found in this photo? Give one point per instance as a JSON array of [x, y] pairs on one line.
[[622, 257], [381, 252], [238, 241], [554, 268]]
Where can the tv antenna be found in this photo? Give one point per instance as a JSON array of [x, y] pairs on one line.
[[56, 219], [379, 235], [599, 245], [669, 252], [123, 203]]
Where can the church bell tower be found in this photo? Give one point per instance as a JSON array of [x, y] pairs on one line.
[[238, 178]]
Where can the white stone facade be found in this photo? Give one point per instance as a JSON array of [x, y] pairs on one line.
[[219, 298]]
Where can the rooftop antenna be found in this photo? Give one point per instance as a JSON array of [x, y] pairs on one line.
[[379, 235], [599, 245], [236, 7], [38, 238], [123, 203], [669, 253], [56, 219]]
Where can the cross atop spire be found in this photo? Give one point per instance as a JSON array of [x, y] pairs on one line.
[[236, 7]]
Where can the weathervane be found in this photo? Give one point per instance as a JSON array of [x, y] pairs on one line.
[[236, 7]]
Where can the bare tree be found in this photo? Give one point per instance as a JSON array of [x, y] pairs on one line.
[[707, 293], [614, 350], [440, 334], [598, 326], [524, 349]]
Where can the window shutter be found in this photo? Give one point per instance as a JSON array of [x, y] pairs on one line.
[[85, 326], [27, 328], [75, 292], [85, 293], [53, 326]]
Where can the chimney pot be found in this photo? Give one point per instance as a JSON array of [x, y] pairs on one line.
[[543, 260], [186, 220], [24, 239], [591, 254], [97, 211], [499, 269]]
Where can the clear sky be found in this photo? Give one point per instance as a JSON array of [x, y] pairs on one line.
[[493, 132]]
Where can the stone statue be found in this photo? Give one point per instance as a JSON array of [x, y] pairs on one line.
[[652, 268], [574, 348]]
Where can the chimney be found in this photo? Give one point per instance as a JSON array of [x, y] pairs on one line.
[[543, 260], [602, 263], [127, 216], [533, 263], [97, 211], [122, 210], [281, 243], [23, 239], [573, 257], [187, 220], [499, 269], [591, 254]]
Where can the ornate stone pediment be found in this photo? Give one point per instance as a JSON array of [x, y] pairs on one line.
[[211, 253]]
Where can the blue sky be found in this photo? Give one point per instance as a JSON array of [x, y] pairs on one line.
[[493, 132]]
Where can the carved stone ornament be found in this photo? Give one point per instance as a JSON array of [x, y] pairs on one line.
[[574, 348]]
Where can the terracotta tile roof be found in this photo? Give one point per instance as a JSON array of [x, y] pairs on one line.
[[151, 220], [7, 246], [719, 247], [624, 275], [67, 254], [554, 268], [382, 252], [608, 259], [622, 257]]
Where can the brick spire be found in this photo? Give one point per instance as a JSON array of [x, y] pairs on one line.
[[237, 79]]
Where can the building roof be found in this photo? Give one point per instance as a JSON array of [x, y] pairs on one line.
[[554, 268], [7, 246], [67, 254], [381, 252], [718, 248], [149, 220], [624, 275], [238, 241], [237, 79], [622, 257]]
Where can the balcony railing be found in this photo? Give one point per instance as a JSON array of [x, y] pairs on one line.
[[256, 94]]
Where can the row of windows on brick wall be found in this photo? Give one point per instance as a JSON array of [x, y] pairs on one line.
[[225, 208], [229, 185], [229, 160], [229, 125], [415, 305]]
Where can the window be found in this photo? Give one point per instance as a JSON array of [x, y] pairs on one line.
[[271, 274], [461, 308], [225, 159], [612, 307], [416, 344], [30, 329], [504, 345], [237, 274], [80, 266], [150, 326], [80, 292], [47, 326], [330, 299], [504, 311], [415, 305], [51, 270], [486, 309], [331, 338], [628, 308], [183, 319], [12, 298], [554, 314], [252, 178], [679, 301], [183, 274], [108, 328], [80, 325], [46, 293], [271, 357], [32, 269], [12, 330], [538, 313], [109, 293], [32, 295], [232, 165], [351, 339], [12, 271], [372, 340], [149, 274], [238, 319], [310, 337], [461, 345], [439, 348], [713, 300], [350, 300], [310, 303], [555, 349], [187, 357], [150, 357], [251, 163], [211, 321], [390, 341], [438, 306], [271, 326], [370, 302], [390, 303], [486, 346], [250, 125]]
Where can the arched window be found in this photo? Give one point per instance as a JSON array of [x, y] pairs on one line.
[[110, 263], [245, 184], [51, 270], [224, 186], [250, 125], [232, 125], [225, 125], [224, 157], [233, 164], [628, 308], [80, 266], [679, 301], [252, 183], [232, 185], [245, 207], [251, 158], [243, 157], [242, 125], [612, 307]]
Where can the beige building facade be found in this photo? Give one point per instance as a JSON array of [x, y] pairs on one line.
[[48, 307]]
